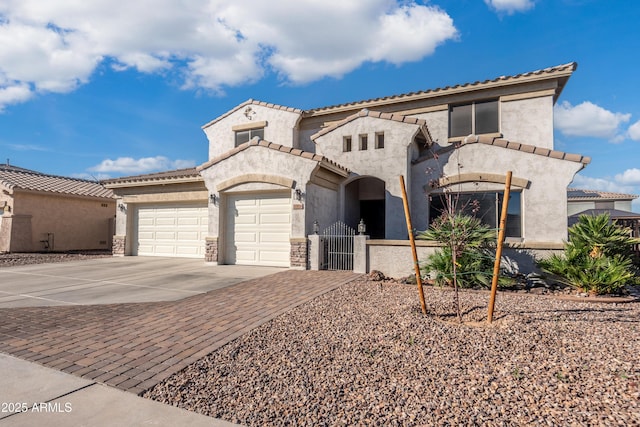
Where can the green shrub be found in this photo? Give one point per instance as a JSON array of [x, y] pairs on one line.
[[472, 241], [597, 257]]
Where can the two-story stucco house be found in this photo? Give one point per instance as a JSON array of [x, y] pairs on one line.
[[276, 175]]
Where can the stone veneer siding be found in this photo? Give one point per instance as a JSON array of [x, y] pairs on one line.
[[299, 251], [118, 245], [211, 249]]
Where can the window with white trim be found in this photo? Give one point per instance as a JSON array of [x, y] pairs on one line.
[[243, 136]]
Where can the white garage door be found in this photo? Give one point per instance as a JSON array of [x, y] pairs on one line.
[[258, 229], [172, 230]]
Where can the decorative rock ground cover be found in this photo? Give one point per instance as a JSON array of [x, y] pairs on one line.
[[365, 355]]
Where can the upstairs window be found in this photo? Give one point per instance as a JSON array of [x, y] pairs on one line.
[[243, 136], [364, 142], [346, 143], [474, 118], [380, 140]]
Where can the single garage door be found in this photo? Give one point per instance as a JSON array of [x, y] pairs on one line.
[[172, 230], [257, 228]]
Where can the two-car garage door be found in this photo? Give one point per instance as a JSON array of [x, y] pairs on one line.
[[172, 230], [257, 229]]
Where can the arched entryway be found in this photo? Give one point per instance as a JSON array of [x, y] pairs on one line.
[[365, 199]]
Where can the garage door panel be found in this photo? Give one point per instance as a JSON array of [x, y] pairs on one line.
[[274, 218], [172, 230], [258, 228], [274, 238], [246, 219]]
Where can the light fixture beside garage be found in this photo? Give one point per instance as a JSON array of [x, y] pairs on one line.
[[298, 194], [122, 207], [213, 198]]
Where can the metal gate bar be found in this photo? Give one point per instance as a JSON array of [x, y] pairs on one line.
[[338, 246]]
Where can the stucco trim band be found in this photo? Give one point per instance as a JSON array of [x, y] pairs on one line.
[[183, 196], [249, 126], [255, 177], [482, 177]]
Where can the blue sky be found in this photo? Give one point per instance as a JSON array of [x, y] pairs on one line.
[[108, 88]]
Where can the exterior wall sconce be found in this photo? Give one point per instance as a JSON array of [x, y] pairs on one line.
[[316, 227], [122, 207], [213, 198], [362, 227], [298, 194]]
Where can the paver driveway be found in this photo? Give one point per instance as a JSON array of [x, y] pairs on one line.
[[134, 346]]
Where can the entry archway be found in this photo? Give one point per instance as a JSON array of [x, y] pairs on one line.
[[365, 199]]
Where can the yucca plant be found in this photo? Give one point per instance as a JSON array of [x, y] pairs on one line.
[[596, 259]]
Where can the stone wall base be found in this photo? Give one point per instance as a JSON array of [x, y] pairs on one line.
[[118, 246], [299, 252], [211, 250]]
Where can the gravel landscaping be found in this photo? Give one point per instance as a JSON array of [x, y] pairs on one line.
[[15, 259], [365, 355]]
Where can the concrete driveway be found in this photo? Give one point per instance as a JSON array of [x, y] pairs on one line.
[[117, 280]]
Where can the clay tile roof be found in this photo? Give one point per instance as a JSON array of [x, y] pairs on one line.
[[511, 145], [156, 177], [422, 124], [256, 142], [16, 178], [560, 71], [576, 194], [252, 102]]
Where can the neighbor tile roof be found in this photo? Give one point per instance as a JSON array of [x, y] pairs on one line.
[[422, 124], [576, 194], [256, 142], [15, 178], [613, 214], [560, 71], [156, 177]]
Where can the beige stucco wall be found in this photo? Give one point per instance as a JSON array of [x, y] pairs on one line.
[[544, 202], [69, 223], [387, 163], [394, 258], [280, 128], [528, 121], [256, 161]]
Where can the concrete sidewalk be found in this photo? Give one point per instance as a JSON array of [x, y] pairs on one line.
[[33, 395]]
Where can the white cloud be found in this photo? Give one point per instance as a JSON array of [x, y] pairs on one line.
[[634, 131], [629, 177], [130, 165], [56, 46], [510, 6], [588, 119]]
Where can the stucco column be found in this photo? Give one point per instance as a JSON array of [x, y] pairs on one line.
[[360, 256], [315, 252]]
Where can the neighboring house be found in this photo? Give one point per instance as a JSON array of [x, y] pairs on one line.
[[274, 172], [40, 212], [592, 202]]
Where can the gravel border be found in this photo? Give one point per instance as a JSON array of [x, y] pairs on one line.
[[365, 355], [14, 259]]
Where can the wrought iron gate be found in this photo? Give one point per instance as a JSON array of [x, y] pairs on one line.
[[338, 247]]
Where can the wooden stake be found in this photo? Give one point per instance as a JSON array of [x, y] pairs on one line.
[[407, 215], [501, 233]]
